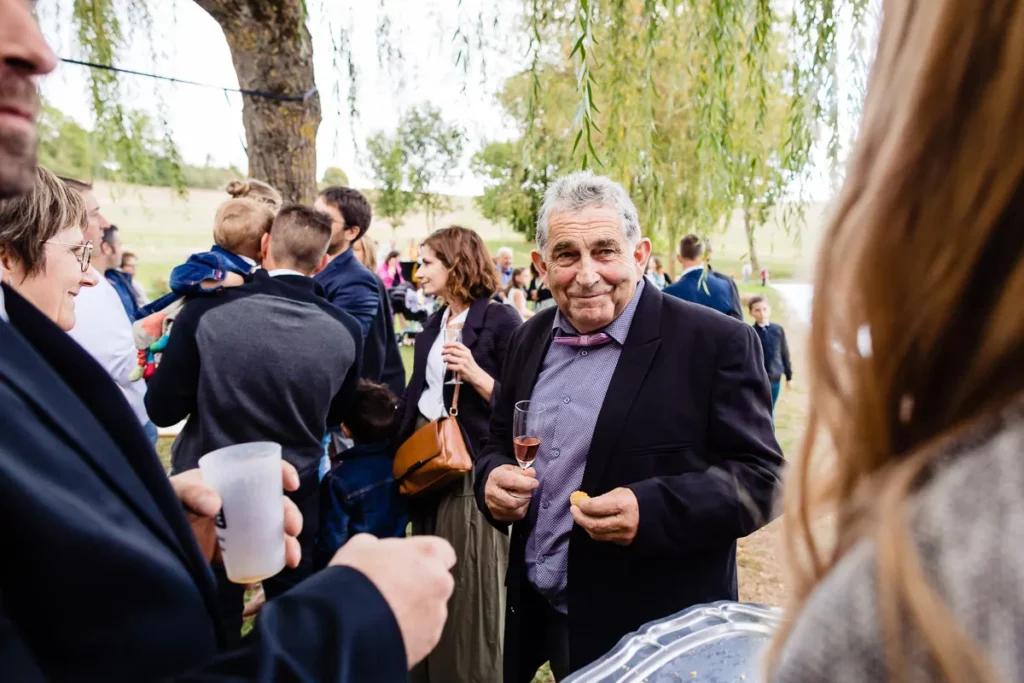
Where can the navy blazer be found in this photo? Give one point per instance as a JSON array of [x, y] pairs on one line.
[[718, 295], [704, 467], [486, 333], [91, 517]]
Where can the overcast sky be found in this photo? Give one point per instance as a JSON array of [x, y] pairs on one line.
[[190, 45]]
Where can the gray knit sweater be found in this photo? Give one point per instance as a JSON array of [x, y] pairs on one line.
[[968, 523]]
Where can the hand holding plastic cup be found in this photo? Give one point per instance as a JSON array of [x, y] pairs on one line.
[[250, 524]]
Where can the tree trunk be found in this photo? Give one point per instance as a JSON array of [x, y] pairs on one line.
[[748, 223], [273, 52]]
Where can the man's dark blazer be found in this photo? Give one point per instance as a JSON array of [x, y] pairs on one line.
[[704, 466], [719, 294], [102, 579], [388, 369], [737, 303], [486, 333]]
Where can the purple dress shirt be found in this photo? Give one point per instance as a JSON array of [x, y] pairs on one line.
[[572, 385]]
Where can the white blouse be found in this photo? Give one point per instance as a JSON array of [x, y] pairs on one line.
[[431, 404]]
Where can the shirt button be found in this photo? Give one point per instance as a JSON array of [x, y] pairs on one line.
[[540, 560], [583, 353], [555, 453], [546, 505], [566, 400]]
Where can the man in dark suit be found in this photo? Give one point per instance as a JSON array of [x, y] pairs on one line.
[[91, 517], [672, 484], [351, 286], [700, 285]]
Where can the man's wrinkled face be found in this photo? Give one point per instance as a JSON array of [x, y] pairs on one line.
[[24, 56], [590, 269]]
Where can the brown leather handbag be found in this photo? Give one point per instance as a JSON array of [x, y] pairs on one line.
[[434, 456]]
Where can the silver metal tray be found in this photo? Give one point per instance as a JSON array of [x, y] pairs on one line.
[[721, 642]]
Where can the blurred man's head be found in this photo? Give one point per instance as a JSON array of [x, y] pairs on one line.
[[128, 262], [24, 56], [504, 260], [350, 215], [691, 251], [96, 222], [108, 254], [298, 240]]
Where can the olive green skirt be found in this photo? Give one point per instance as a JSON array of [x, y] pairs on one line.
[[470, 650]]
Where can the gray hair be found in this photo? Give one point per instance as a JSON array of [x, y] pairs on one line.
[[505, 250], [580, 190]]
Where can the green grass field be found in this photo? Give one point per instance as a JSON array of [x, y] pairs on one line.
[[163, 230]]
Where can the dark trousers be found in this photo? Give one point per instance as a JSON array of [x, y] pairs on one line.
[[544, 636], [231, 596]]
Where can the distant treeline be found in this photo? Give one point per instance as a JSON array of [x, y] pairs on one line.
[[151, 158]]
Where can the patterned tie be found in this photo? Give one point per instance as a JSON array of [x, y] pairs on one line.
[[584, 340]]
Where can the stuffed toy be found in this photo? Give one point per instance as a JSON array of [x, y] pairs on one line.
[[151, 335]]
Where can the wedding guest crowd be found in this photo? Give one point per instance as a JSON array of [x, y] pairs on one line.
[[649, 405]]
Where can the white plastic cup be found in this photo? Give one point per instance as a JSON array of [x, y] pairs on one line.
[[250, 525]]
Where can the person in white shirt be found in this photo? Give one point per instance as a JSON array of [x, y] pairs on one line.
[[102, 327]]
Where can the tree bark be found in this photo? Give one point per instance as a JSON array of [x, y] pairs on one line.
[[273, 52], [748, 223]]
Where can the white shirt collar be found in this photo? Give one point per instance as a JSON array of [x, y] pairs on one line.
[[691, 269], [251, 262], [285, 271]]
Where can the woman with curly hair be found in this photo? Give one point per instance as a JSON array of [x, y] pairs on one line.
[[456, 268]]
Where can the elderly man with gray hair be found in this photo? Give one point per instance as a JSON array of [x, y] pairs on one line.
[[657, 410]]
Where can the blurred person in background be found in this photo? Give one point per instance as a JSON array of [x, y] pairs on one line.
[[503, 261], [121, 281], [366, 252], [390, 271], [129, 264], [915, 440], [653, 276], [540, 295], [515, 293]]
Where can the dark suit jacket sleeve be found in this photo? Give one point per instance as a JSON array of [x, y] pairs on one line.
[[505, 324], [342, 401], [358, 298], [737, 303], [684, 514], [334, 626], [786, 366], [172, 391], [498, 450]]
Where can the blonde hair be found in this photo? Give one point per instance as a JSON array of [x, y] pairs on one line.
[[29, 220], [256, 190], [369, 252], [923, 256], [240, 224]]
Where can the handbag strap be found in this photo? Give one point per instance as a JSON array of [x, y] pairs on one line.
[[454, 412]]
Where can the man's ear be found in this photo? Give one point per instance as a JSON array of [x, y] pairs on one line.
[[679, 258], [351, 233], [323, 264], [538, 262], [264, 247], [642, 254]]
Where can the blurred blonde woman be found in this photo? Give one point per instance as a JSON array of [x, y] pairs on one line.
[[365, 251], [916, 431]]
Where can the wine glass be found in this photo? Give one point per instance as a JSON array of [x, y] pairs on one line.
[[527, 425], [453, 335]]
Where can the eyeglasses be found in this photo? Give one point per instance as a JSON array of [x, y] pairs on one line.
[[82, 252]]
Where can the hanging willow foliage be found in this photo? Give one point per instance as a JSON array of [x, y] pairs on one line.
[[700, 106]]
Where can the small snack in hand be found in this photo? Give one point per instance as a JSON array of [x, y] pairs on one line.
[[577, 497]]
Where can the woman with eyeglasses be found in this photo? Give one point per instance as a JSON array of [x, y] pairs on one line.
[[44, 254]]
